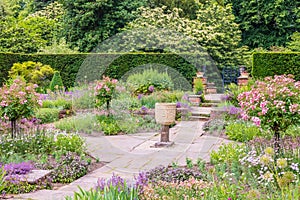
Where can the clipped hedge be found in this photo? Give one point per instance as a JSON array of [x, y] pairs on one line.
[[69, 64], [273, 63]]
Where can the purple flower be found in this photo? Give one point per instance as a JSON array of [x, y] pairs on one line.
[[226, 97], [185, 97], [141, 180], [151, 88], [144, 109], [18, 168], [114, 181], [178, 104], [234, 110], [140, 96]]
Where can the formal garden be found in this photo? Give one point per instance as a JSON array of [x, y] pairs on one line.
[[73, 69]]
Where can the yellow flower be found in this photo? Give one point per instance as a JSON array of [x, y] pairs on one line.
[[253, 194], [265, 159], [269, 151], [281, 163], [268, 176]]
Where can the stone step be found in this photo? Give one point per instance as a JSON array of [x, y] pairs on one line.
[[198, 118], [209, 104]]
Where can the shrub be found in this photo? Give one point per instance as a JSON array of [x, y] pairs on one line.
[[59, 103], [18, 100], [86, 123], [293, 131], [169, 174], [148, 81], [47, 115], [161, 97], [227, 153], [270, 64], [83, 98], [234, 90], [189, 189], [29, 145], [56, 82], [242, 132], [198, 86], [108, 125], [273, 103], [33, 72], [70, 167], [69, 143]]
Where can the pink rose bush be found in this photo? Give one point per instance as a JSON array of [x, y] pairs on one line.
[[104, 91], [273, 103], [18, 100]]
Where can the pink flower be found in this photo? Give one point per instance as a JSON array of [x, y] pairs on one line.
[[256, 121], [23, 101], [3, 104], [294, 108]]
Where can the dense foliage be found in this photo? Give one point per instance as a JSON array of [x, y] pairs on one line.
[[213, 31], [118, 65], [266, 23], [270, 64], [88, 23], [32, 72]]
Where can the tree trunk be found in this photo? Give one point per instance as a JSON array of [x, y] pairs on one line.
[[13, 128], [108, 108], [277, 138]]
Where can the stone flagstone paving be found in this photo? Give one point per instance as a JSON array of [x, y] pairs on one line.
[[130, 154]]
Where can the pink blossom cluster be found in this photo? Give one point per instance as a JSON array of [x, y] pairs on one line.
[[104, 89], [272, 100], [18, 99]]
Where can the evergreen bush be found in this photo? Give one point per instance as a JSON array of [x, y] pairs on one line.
[[56, 82]]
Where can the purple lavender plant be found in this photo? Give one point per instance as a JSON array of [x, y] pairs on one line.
[[141, 180], [115, 181], [18, 168], [232, 110]]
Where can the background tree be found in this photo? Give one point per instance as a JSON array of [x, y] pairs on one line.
[[294, 44], [214, 30], [29, 34], [189, 7], [87, 23], [266, 23]]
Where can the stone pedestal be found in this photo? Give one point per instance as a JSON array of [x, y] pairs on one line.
[[243, 79], [165, 114]]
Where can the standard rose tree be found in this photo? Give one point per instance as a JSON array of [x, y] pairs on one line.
[[273, 103], [18, 100], [104, 91]]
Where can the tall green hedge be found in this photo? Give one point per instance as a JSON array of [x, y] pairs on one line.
[[119, 64], [270, 64]]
